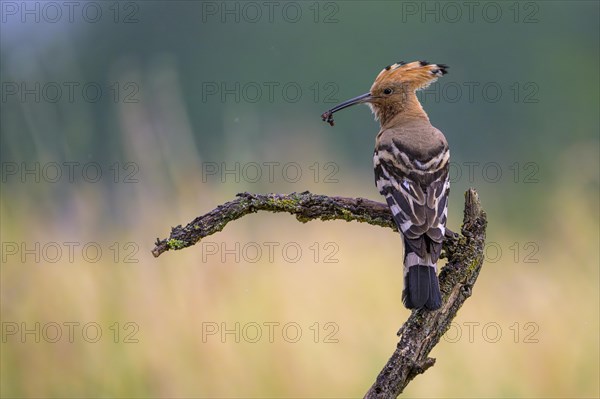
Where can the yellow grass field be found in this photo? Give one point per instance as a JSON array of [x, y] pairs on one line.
[[279, 323]]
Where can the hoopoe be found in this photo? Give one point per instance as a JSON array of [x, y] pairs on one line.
[[411, 171]]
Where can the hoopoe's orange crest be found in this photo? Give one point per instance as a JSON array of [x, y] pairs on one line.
[[413, 76]]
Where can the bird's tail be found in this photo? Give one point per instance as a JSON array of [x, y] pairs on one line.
[[421, 286]]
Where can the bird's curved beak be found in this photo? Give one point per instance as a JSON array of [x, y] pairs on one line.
[[328, 115]]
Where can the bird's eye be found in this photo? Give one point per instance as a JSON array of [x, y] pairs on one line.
[[387, 91]]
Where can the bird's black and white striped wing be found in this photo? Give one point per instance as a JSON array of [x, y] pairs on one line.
[[419, 204]]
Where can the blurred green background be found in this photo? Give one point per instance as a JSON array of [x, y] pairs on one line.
[[122, 119]]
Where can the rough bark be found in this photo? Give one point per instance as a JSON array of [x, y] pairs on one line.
[[305, 206], [423, 329]]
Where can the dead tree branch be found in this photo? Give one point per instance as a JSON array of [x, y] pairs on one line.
[[305, 206], [423, 329]]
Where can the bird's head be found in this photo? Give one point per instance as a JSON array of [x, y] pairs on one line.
[[393, 91]]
